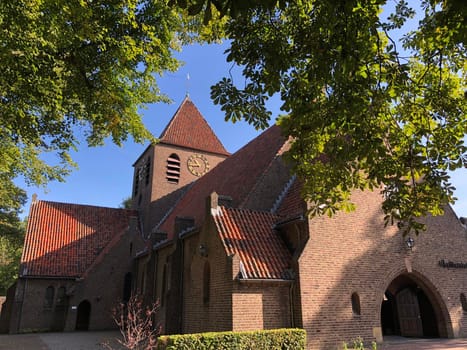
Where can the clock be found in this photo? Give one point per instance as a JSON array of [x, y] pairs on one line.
[[198, 164]]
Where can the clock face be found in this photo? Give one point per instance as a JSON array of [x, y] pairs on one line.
[[198, 164]]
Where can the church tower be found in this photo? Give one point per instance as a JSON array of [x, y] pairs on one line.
[[187, 149]]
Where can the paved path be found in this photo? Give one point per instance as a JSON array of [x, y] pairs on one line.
[[60, 341], [401, 343], [96, 341]]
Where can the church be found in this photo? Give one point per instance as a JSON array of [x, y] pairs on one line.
[[223, 242]]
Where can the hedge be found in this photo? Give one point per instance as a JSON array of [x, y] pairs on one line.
[[276, 339]]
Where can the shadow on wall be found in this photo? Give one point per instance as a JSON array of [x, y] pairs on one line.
[[65, 258], [378, 280]]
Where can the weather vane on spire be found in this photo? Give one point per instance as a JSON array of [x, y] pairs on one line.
[[187, 84]]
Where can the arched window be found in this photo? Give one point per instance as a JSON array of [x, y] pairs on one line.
[[206, 282], [49, 296], [173, 168], [164, 285], [356, 304], [127, 287], [463, 302]]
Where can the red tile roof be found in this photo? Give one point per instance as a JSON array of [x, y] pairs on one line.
[[234, 177], [249, 234], [64, 240], [189, 129]]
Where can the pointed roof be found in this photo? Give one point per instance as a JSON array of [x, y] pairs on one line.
[[189, 129], [250, 235], [65, 240], [235, 177]]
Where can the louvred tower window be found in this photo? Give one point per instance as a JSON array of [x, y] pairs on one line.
[[173, 168]]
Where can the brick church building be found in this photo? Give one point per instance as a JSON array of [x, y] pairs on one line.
[[224, 243]]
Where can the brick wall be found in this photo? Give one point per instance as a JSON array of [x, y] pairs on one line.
[[232, 305], [162, 259], [261, 305], [102, 287], [355, 253], [216, 313], [30, 311], [159, 187]]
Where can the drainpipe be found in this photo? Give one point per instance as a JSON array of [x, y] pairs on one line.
[[291, 306], [182, 258]]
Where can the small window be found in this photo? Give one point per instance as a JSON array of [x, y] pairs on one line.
[[356, 304], [49, 297], [463, 302], [206, 283], [173, 169]]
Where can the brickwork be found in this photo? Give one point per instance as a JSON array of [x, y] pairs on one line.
[[213, 267], [102, 287], [162, 287], [261, 305], [214, 314], [31, 296], [355, 253], [158, 186]]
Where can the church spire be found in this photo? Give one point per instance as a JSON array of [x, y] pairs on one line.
[[189, 129]]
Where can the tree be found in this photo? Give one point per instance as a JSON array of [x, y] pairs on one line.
[[362, 113], [364, 109], [126, 203], [136, 324], [11, 242], [80, 70]]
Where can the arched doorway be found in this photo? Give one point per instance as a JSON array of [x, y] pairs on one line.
[[410, 308], [83, 315]]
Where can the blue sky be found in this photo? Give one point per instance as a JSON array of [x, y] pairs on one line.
[[104, 177]]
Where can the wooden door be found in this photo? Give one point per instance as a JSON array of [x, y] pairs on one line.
[[409, 313]]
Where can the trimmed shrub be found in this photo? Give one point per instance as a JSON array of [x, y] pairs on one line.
[[275, 339]]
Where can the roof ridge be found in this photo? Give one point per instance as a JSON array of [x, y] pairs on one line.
[[170, 123], [282, 195], [81, 205], [256, 211], [263, 174]]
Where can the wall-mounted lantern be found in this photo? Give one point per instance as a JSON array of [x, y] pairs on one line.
[[409, 242]]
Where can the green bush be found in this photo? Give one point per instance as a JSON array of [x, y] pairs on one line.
[[357, 344], [276, 339]]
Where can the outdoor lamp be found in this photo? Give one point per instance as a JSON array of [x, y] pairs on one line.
[[410, 243]]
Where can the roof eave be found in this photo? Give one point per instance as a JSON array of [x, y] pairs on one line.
[[265, 280]]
